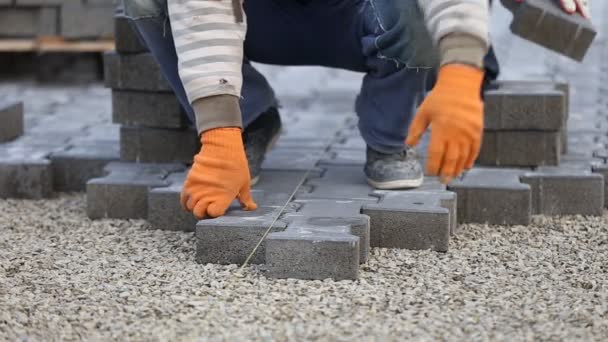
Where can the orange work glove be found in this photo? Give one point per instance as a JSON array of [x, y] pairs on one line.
[[220, 174], [455, 111]]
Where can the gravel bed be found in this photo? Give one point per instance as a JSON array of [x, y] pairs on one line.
[[64, 277]]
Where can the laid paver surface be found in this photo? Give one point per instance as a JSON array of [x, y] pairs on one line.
[[65, 275]]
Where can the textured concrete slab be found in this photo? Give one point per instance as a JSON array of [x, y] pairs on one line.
[[412, 220], [11, 117], [562, 191], [494, 196], [75, 166], [544, 23], [231, 238], [315, 248], [150, 109], [525, 106], [291, 159], [81, 21], [123, 193], [346, 210], [339, 182], [133, 72], [520, 148], [158, 145]]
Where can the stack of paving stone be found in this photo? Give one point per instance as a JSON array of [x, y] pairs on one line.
[[70, 19], [156, 138]]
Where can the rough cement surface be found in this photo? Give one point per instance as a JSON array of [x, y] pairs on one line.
[[63, 276]]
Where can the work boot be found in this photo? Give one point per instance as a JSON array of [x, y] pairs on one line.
[[258, 138], [393, 171]]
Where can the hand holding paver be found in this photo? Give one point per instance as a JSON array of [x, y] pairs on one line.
[[220, 174], [455, 111]]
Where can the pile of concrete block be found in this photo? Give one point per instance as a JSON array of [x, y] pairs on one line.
[[70, 19], [525, 124]]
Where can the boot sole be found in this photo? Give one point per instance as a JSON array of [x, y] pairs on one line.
[[397, 184]]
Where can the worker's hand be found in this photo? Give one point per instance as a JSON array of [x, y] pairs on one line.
[[219, 174], [573, 6], [455, 111]]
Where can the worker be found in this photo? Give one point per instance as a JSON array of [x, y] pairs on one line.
[[204, 48]]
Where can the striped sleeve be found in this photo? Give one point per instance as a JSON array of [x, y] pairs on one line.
[[209, 44]]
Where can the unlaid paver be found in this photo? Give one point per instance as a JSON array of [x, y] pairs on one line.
[[494, 196], [133, 72], [11, 121], [25, 173], [544, 22], [126, 36], [158, 145], [412, 220], [123, 192], [151, 109], [520, 148]]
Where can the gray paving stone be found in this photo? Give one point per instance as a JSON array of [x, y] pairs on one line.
[[123, 193], [11, 117], [520, 148], [158, 145], [350, 143], [278, 185], [525, 106], [339, 182], [27, 22], [231, 238], [151, 109], [126, 37], [412, 220], [81, 21], [133, 72], [602, 169], [544, 23], [564, 191], [314, 248], [344, 157], [74, 167], [24, 173], [494, 196], [347, 210], [291, 159]]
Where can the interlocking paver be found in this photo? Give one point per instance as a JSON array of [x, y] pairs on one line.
[[494, 196], [133, 72], [74, 167], [156, 145], [565, 191], [294, 159], [544, 23], [602, 169], [151, 109], [412, 220], [11, 117], [126, 37], [339, 182], [123, 193], [520, 148], [315, 248], [231, 238], [24, 173], [81, 21]]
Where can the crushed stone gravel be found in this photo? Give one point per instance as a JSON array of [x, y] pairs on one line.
[[64, 277]]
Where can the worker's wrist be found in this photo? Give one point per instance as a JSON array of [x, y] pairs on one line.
[[217, 111], [461, 48]]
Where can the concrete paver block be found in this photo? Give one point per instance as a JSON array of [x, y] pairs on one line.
[[525, 106], [412, 220], [158, 145], [81, 21], [347, 210], [150, 109], [520, 148], [494, 196], [123, 193], [231, 238], [315, 248], [133, 72], [291, 159], [74, 167], [339, 182], [602, 169], [126, 36], [27, 22], [544, 23], [164, 208], [25, 173], [11, 119], [563, 191]]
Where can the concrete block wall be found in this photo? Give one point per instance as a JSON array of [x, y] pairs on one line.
[[71, 19]]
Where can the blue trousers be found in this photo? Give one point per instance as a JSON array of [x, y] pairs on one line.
[[347, 34]]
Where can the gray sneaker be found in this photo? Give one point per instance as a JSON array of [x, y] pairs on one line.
[[393, 171], [258, 138]]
